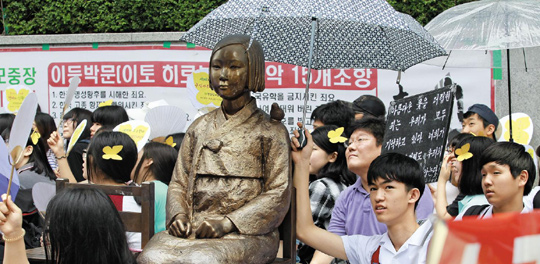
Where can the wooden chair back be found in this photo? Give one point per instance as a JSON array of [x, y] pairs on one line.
[[287, 233], [134, 222]]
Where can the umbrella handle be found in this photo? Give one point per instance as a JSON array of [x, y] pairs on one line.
[[302, 140]]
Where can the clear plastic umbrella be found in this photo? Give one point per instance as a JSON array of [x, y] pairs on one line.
[[484, 26]]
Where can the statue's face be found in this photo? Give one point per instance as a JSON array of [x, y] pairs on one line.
[[229, 72]]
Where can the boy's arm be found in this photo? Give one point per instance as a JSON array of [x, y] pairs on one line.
[[321, 258], [306, 230], [440, 194]]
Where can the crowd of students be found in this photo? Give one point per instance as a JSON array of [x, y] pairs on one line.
[[384, 216], [99, 156], [352, 202]]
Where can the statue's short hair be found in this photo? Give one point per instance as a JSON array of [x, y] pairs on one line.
[[255, 55]]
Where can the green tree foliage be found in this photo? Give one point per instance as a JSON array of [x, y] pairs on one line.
[[424, 10], [105, 16]]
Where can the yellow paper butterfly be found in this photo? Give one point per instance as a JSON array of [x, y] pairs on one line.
[[35, 137], [106, 103], [112, 153], [169, 141], [335, 135], [463, 152], [518, 130]]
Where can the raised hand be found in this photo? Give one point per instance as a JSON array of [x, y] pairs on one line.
[[304, 154], [56, 143], [10, 218]]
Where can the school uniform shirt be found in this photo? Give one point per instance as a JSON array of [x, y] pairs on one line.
[[360, 249], [353, 213], [488, 212]]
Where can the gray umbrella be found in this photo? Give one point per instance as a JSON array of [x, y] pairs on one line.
[[345, 33], [322, 34]]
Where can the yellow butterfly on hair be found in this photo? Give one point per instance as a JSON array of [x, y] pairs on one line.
[[335, 135], [170, 141], [463, 152], [112, 152], [35, 136], [106, 103]]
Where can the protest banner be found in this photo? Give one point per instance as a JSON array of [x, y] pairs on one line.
[[417, 126], [132, 74], [505, 238]]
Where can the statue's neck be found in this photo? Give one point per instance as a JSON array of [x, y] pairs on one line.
[[232, 107]]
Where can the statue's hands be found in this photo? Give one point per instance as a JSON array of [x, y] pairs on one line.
[[181, 227], [215, 228], [301, 155]]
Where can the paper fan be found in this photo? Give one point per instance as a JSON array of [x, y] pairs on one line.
[[166, 120], [20, 130], [22, 126], [76, 135]]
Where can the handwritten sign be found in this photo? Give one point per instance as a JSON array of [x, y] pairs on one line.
[[14, 97], [418, 126], [137, 130], [199, 90]]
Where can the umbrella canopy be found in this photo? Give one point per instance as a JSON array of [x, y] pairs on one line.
[[347, 34], [489, 25]]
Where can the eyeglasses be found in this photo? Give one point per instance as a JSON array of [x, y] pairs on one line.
[[84, 154], [68, 121], [355, 141]]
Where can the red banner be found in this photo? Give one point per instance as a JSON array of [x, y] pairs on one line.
[[175, 74], [506, 238]]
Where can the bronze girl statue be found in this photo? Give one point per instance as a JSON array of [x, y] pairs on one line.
[[230, 189]]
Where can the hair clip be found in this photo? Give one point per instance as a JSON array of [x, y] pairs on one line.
[[35, 136], [335, 135], [170, 141], [112, 153], [106, 103], [463, 152]]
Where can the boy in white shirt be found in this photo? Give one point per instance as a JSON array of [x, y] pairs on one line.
[[508, 173], [396, 183]]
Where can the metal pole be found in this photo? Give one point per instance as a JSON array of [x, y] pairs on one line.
[[509, 93], [302, 139]]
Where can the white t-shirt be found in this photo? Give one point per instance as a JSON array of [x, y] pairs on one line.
[[359, 249], [488, 212]]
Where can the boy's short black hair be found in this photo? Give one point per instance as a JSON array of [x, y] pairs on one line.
[[513, 155], [374, 126], [400, 168], [337, 113]]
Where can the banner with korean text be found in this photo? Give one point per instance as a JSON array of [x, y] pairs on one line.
[[133, 74]]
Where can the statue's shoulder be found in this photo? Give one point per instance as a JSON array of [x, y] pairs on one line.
[[201, 121], [271, 125]]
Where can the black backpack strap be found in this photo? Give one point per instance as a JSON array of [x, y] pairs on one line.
[[476, 209], [536, 200]]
